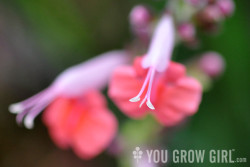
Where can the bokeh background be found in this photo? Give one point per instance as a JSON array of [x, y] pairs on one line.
[[38, 39]]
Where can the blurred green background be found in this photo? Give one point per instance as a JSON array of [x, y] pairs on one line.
[[38, 39]]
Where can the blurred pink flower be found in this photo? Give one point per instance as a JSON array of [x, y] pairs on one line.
[[212, 64], [83, 123], [140, 19], [140, 16], [226, 7], [187, 32], [72, 83], [174, 95]]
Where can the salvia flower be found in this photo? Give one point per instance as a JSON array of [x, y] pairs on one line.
[[158, 56], [157, 79], [73, 82], [83, 123]]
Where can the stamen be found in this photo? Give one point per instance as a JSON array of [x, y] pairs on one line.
[[137, 97], [143, 101], [149, 78], [149, 104]]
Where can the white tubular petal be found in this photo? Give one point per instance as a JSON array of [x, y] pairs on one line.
[[135, 99], [150, 105], [15, 108], [92, 74], [161, 46], [28, 122]]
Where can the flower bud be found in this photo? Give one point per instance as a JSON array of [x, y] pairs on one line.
[[212, 64], [209, 17], [212, 14], [140, 16], [226, 7], [187, 32]]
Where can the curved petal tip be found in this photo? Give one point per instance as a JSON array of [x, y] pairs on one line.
[[15, 108]]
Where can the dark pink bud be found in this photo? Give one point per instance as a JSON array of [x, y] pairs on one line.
[[226, 7], [209, 17], [186, 32], [140, 16], [212, 64], [212, 13]]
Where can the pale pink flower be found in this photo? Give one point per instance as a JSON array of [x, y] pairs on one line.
[[73, 82]]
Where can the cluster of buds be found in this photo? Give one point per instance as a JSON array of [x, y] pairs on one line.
[[213, 13], [205, 14], [188, 15]]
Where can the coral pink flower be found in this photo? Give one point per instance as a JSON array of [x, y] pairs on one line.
[[83, 123], [173, 94], [72, 83]]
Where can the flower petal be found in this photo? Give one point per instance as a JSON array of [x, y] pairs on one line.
[[185, 96], [140, 71], [94, 132], [125, 85], [55, 117], [168, 116], [175, 71]]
